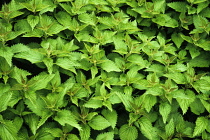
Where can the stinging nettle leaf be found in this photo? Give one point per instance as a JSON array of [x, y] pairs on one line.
[[185, 100], [7, 54], [201, 125], [147, 129], [164, 109], [179, 78], [120, 45], [32, 121], [105, 136], [169, 128], [127, 132], [177, 39], [31, 55], [33, 20], [109, 66], [178, 6], [8, 131], [88, 18], [93, 103], [197, 107], [111, 116], [5, 97], [66, 117], [85, 132], [99, 123], [137, 59], [149, 102]]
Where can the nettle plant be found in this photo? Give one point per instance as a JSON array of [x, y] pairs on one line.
[[104, 70]]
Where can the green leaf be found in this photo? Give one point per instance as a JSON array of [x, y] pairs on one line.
[[197, 107], [206, 105], [105, 136], [179, 78], [18, 122], [165, 20], [202, 6], [72, 137], [5, 97], [67, 64], [178, 67], [120, 45], [7, 54], [55, 132], [149, 102], [32, 121], [55, 29], [201, 124], [93, 103], [194, 51], [164, 109], [160, 5], [155, 91], [33, 20], [19, 75], [8, 131], [84, 132], [35, 104], [66, 117], [88, 18], [185, 100], [138, 60], [34, 33], [49, 63], [111, 116], [19, 48], [99, 123], [109, 66], [85, 36], [44, 117], [63, 0], [147, 129], [40, 81], [177, 39], [199, 21], [178, 6], [200, 61], [127, 132], [126, 100], [64, 18], [30, 55], [169, 128], [94, 71], [34, 6]]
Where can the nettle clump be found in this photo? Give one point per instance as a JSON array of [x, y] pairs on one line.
[[104, 70]]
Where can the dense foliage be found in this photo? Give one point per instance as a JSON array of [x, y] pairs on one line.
[[104, 70]]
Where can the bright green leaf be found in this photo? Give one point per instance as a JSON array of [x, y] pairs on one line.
[[127, 132], [201, 125], [111, 116], [66, 117], [164, 109], [99, 123]]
